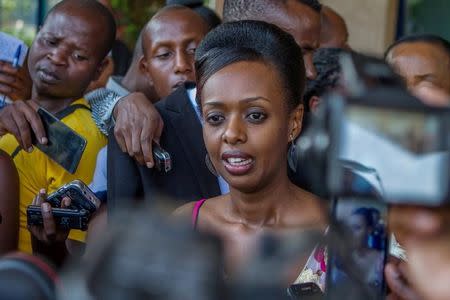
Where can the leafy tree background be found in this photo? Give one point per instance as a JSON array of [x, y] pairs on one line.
[[132, 16], [18, 17]]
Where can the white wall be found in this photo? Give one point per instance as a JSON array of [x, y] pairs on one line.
[[371, 23]]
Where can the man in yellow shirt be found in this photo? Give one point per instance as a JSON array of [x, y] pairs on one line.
[[67, 54]]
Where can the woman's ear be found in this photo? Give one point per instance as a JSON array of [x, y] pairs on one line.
[[143, 67], [295, 122]]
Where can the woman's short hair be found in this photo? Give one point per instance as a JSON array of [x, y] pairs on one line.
[[247, 40]]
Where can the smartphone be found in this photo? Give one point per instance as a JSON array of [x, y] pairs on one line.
[[358, 250], [65, 146], [163, 162], [306, 291], [81, 195], [64, 218]]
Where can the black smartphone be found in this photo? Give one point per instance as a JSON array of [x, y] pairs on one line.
[[64, 218], [306, 291], [82, 197], [163, 162], [65, 146], [358, 250]]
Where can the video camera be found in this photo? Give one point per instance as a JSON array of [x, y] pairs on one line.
[[370, 144], [376, 127]]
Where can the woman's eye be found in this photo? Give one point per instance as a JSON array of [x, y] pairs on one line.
[[191, 51], [256, 116], [214, 119]]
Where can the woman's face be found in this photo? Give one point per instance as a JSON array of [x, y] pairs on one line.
[[247, 126]]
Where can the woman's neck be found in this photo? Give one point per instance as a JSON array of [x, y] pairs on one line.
[[52, 104], [262, 207]]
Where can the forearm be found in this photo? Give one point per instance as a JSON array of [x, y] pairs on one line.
[[123, 179], [56, 252]]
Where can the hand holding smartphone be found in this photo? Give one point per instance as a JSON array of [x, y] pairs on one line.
[[76, 216], [64, 146], [163, 162]]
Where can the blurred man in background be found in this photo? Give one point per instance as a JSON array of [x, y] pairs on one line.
[[334, 33]]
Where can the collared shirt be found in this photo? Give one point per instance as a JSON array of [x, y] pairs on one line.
[[192, 93], [115, 84]]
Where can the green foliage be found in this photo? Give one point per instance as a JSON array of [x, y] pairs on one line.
[[18, 18], [133, 15], [26, 34]]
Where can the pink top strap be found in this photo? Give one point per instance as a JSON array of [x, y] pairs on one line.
[[196, 211]]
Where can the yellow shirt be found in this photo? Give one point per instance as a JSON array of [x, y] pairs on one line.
[[37, 170]]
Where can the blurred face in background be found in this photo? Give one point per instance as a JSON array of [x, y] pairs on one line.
[[303, 23], [422, 65], [334, 32]]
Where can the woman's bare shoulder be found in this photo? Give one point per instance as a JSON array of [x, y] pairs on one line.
[[209, 210], [184, 211]]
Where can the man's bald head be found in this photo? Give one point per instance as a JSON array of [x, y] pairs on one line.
[[334, 33], [169, 41], [169, 16], [236, 10], [92, 11]]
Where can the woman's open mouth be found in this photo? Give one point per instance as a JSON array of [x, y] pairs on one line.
[[237, 163]]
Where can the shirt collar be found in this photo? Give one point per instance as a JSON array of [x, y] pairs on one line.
[[192, 93], [115, 84]]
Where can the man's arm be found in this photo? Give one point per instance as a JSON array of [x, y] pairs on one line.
[[123, 177], [49, 240], [135, 120]]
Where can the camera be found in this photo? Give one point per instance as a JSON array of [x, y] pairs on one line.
[[371, 144], [25, 276], [163, 161], [377, 128], [83, 204]]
